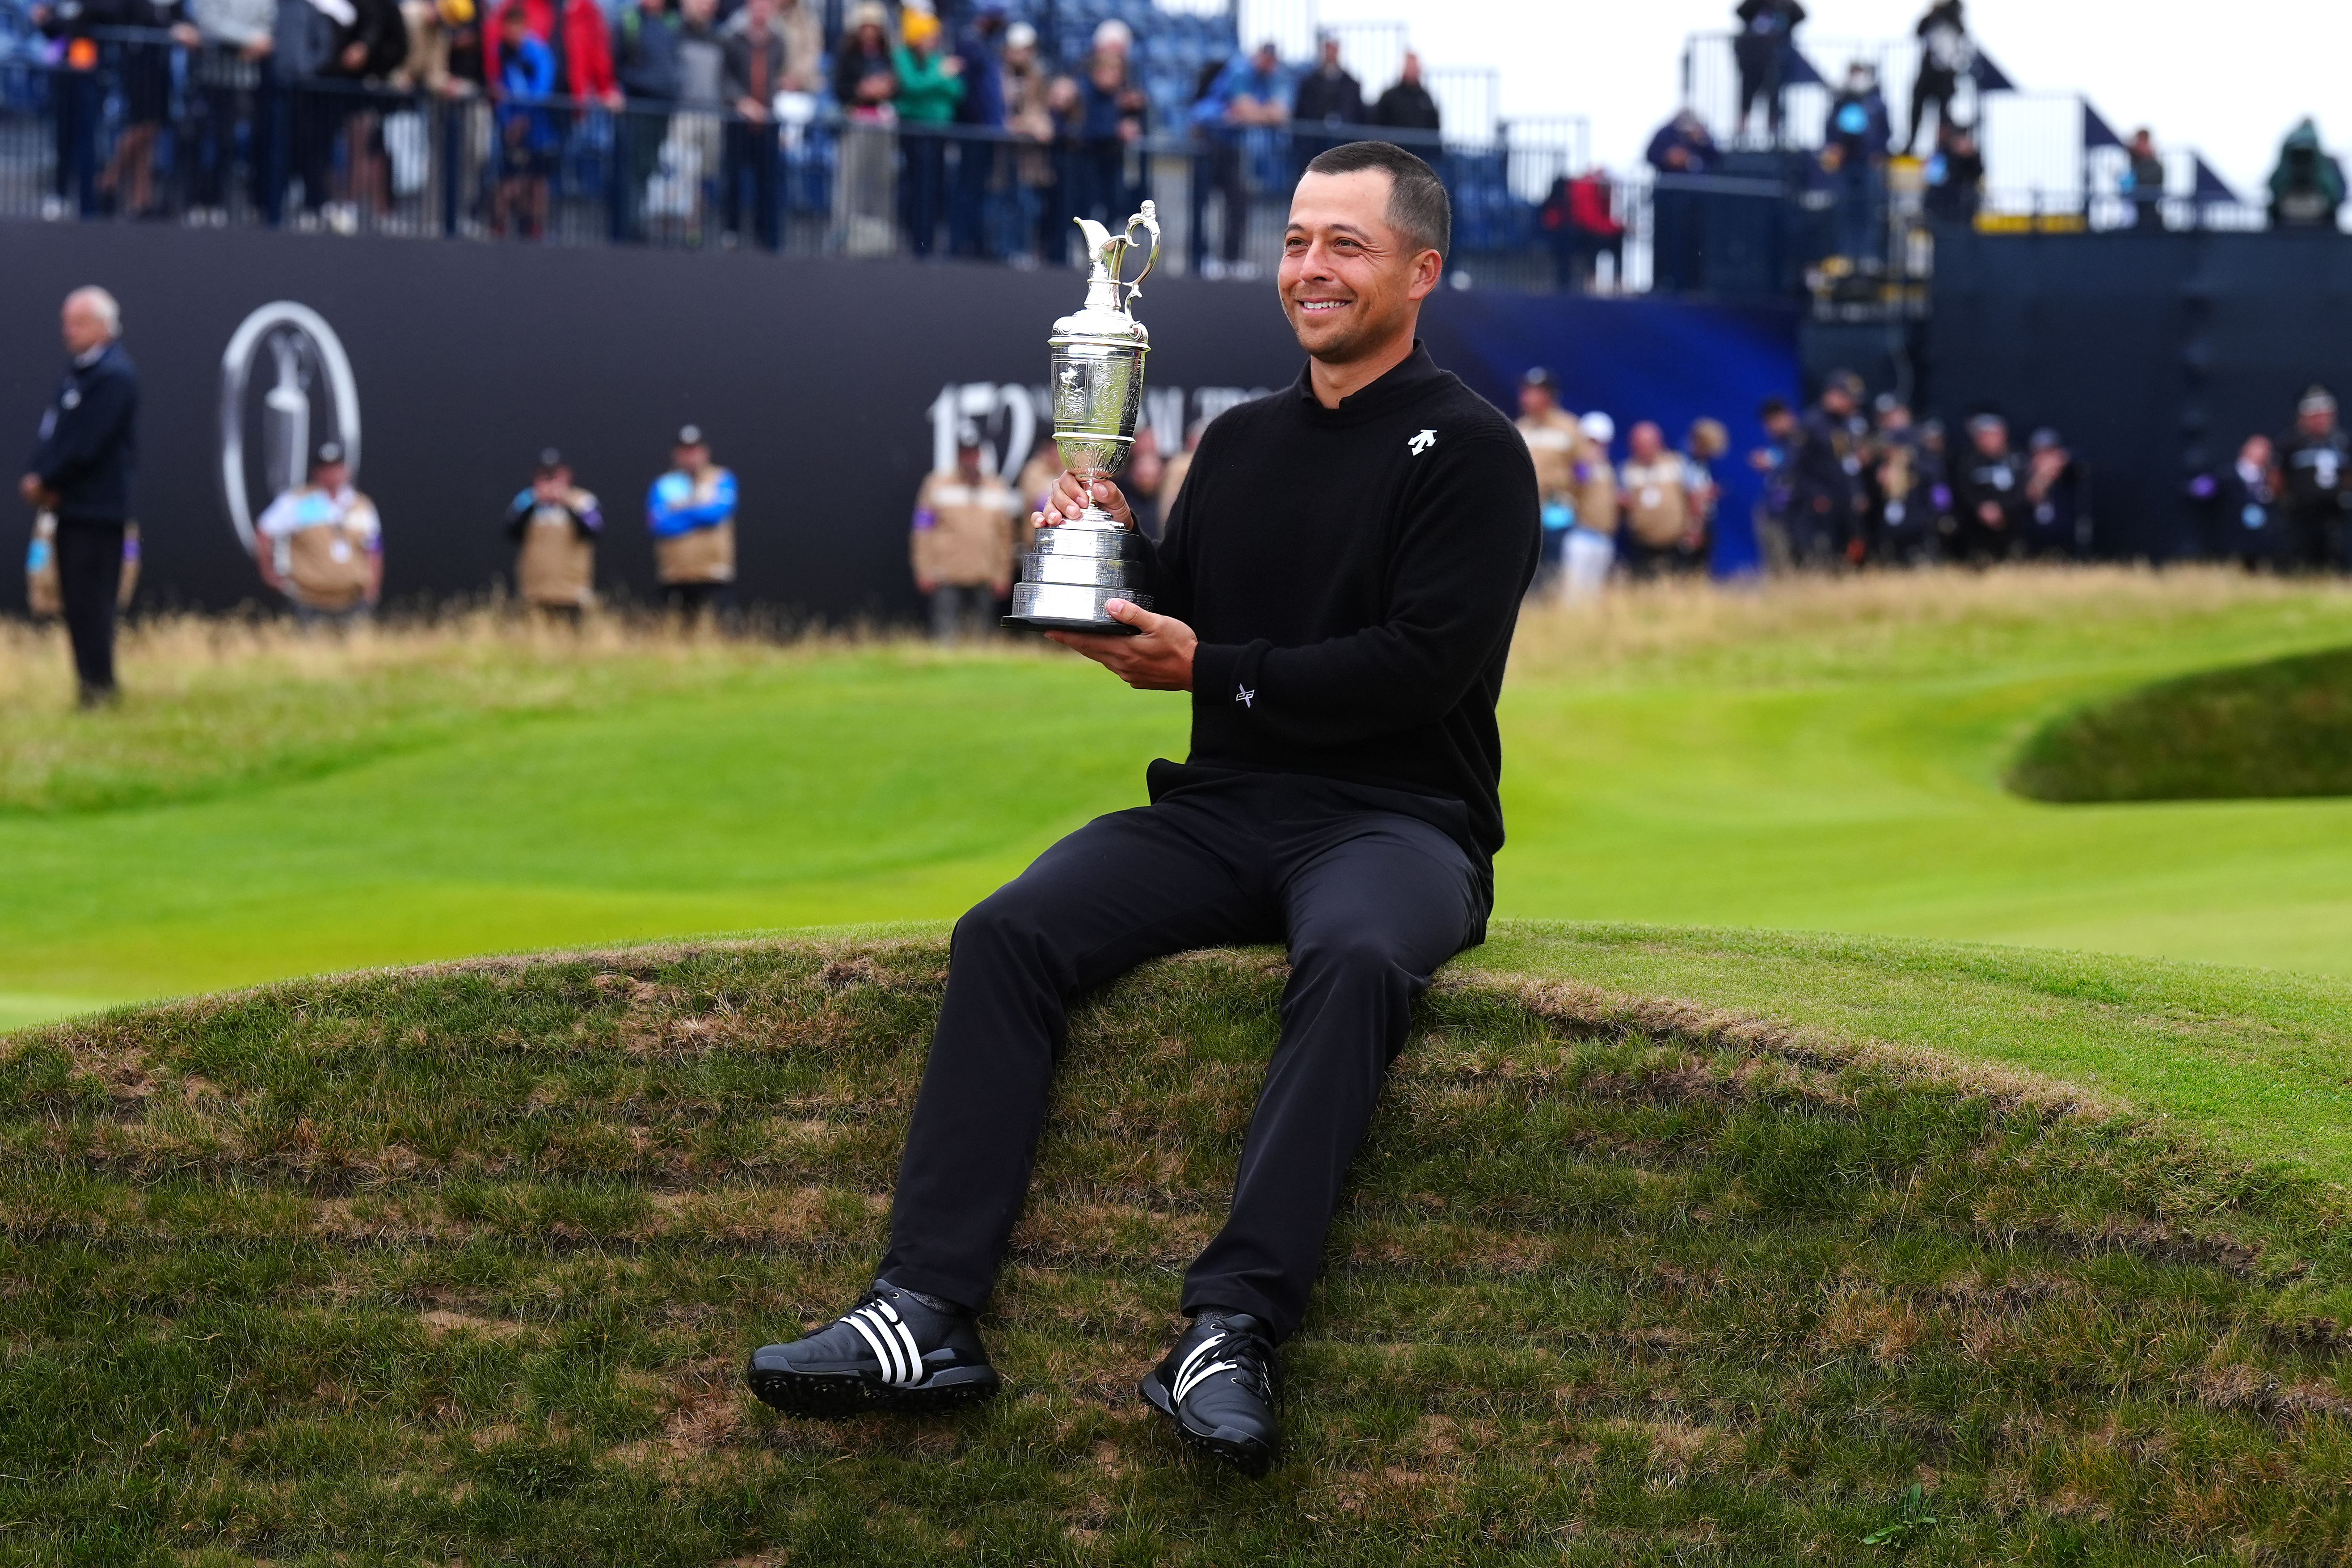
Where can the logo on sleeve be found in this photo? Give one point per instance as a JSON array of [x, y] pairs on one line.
[[1246, 696], [1422, 442]]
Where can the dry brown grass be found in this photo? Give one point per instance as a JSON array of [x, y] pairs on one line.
[[1635, 623]]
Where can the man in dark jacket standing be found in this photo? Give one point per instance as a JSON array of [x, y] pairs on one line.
[[1407, 106], [82, 470], [1336, 592], [646, 63], [2316, 461], [1828, 502]]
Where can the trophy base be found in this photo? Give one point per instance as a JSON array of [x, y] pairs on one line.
[[1092, 628]]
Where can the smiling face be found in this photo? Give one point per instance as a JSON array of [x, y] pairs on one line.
[[1351, 282]]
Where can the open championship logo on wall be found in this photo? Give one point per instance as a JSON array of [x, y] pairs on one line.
[[286, 388]]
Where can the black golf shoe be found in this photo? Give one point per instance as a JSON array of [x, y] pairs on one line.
[[1217, 1386], [894, 1350]]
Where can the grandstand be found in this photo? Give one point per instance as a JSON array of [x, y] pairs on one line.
[[1758, 224]]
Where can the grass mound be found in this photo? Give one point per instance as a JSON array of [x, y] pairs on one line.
[[2282, 728], [462, 1263]]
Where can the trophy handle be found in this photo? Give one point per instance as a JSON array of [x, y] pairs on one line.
[[1149, 221]]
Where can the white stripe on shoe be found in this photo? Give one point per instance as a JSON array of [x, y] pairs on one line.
[[906, 1342], [878, 1338], [1190, 1372]]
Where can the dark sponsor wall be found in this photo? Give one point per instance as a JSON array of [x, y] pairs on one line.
[[2154, 355], [827, 386]]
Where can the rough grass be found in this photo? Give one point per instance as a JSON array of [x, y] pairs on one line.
[[460, 1264], [2281, 728]]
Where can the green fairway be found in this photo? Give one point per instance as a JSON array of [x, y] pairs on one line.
[[1822, 757]]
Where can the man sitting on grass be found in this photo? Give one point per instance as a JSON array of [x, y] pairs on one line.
[[1338, 584]]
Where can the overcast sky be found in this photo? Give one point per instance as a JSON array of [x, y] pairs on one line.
[[2229, 77]]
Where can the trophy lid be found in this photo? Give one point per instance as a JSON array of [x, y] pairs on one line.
[[1106, 314]]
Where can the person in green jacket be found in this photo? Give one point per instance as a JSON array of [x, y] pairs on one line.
[[931, 85]]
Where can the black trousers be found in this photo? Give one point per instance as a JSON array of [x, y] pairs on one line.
[[89, 575], [1369, 902]]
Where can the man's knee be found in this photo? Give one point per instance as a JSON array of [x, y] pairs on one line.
[[1356, 955]]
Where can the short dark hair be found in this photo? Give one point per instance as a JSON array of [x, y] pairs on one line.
[[1418, 204]]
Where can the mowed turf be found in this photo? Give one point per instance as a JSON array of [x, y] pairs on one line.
[[1816, 756], [461, 1266]]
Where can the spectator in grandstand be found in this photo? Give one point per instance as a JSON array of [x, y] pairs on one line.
[[528, 139], [1555, 441], [2240, 500], [646, 64], [961, 545], [1946, 55], [691, 511], [321, 546], [1145, 474], [1900, 477], [2142, 182], [1247, 94], [1827, 505], [1112, 114], [2316, 462], [803, 29], [446, 49], [555, 525], [1989, 494], [1407, 106], [1772, 463], [1762, 49], [1327, 97], [229, 42], [864, 78], [1854, 148], [305, 107], [142, 83], [1577, 220], [2307, 185], [1955, 176], [1662, 502], [931, 85], [753, 49], [587, 46], [1681, 147], [80, 474], [2057, 520], [76, 101], [1029, 117], [980, 112]]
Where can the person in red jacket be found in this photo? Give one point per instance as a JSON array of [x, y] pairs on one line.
[[1576, 218], [586, 51]]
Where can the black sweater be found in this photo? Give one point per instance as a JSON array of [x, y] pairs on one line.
[[89, 445], [1354, 575]]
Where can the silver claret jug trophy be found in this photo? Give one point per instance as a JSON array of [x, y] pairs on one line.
[[1071, 571]]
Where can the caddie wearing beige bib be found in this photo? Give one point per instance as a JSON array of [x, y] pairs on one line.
[[961, 542], [692, 514], [321, 546], [555, 525]]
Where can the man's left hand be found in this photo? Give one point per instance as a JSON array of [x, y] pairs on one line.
[[33, 490], [1159, 658]]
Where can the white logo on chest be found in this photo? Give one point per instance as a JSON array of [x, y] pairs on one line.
[[1246, 696], [1422, 443]]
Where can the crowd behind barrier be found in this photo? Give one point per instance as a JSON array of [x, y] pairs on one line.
[[697, 128]]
